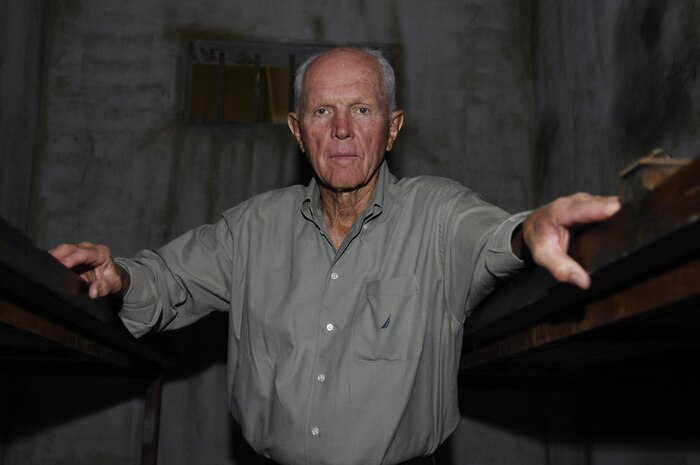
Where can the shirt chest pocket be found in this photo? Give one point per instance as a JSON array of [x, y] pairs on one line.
[[388, 326]]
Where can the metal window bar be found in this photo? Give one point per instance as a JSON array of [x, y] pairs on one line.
[[220, 87], [256, 89], [221, 53]]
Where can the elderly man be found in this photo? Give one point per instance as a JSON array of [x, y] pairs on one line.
[[346, 297]]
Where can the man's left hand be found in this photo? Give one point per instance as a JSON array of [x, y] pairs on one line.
[[546, 233]]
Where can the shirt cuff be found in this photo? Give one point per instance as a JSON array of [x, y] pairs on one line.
[[501, 261], [139, 304]]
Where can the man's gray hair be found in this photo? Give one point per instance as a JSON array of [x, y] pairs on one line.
[[388, 77]]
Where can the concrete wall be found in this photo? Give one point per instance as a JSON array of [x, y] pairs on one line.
[[119, 165], [614, 80], [93, 146], [21, 78], [110, 159], [21, 50]]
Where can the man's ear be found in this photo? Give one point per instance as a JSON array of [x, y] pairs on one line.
[[293, 123], [395, 125]]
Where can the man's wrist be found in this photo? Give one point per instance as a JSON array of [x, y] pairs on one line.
[[125, 278], [518, 245]]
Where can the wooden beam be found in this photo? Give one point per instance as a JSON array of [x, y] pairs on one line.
[[653, 294], [30, 323]]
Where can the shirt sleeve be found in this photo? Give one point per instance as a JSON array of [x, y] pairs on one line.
[[478, 253], [179, 283]]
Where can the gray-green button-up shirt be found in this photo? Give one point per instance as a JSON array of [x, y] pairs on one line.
[[348, 356]]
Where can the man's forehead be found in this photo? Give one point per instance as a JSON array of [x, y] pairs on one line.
[[345, 56], [343, 68]]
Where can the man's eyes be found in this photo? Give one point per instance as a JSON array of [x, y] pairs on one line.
[[363, 110]]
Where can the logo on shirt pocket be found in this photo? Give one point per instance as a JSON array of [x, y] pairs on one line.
[[388, 326]]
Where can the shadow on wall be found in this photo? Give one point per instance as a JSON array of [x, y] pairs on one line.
[[650, 409], [303, 170], [657, 59], [197, 347], [35, 404]]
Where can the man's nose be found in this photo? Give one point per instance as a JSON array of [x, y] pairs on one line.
[[342, 126]]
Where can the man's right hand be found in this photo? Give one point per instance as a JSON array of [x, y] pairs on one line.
[[94, 264]]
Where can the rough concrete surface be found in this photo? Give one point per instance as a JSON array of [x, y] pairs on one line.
[[522, 101]]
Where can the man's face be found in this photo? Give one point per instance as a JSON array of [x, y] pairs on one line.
[[344, 126]]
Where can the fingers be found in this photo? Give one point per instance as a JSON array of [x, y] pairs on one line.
[[584, 208], [102, 287], [546, 232], [95, 264], [85, 253], [562, 267]]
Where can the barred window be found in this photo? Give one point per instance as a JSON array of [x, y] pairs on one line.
[[235, 82]]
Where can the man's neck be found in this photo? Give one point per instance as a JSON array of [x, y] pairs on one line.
[[341, 209]]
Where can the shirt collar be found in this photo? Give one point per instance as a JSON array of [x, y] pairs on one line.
[[311, 205]]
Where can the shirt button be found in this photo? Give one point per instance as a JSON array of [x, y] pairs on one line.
[[330, 327], [334, 276], [365, 227], [321, 378], [315, 431]]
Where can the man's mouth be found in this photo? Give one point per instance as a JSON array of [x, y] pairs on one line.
[[343, 157]]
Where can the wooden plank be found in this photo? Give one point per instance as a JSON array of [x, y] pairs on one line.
[[28, 322], [670, 287], [32, 279], [44, 301], [151, 421]]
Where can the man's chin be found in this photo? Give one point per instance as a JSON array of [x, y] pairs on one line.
[[340, 188], [343, 185], [346, 181]]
